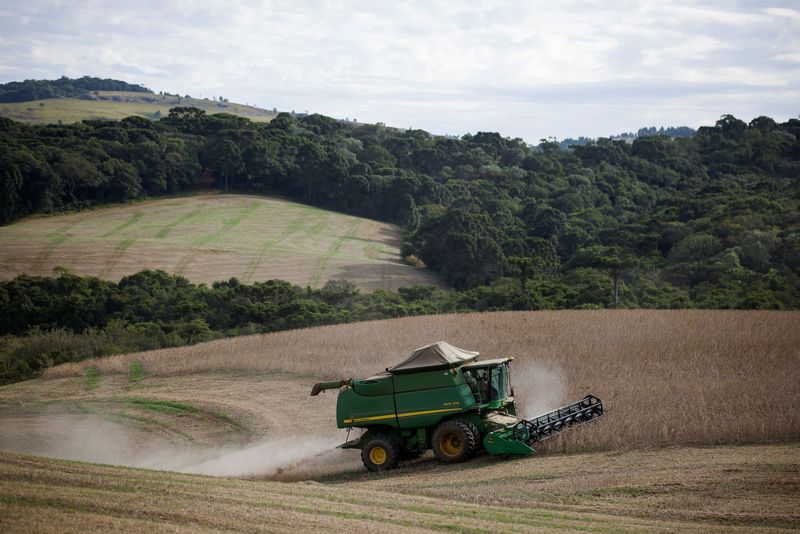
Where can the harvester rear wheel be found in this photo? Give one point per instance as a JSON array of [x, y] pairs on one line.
[[380, 453], [454, 441]]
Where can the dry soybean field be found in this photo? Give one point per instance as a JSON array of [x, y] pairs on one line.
[[699, 432]]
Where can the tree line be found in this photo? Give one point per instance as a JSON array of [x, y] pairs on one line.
[[28, 90], [704, 221], [47, 321], [708, 221]]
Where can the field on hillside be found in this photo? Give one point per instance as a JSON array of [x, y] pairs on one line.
[[699, 432], [722, 489], [666, 377], [117, 105], [212, 237]]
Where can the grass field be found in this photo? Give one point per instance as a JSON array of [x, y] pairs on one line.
[[700, 431], [212, 237], [127, 104]]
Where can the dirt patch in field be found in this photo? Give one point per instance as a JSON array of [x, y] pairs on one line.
[[223, 425]]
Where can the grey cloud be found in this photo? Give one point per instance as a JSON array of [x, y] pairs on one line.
[[525, 69]]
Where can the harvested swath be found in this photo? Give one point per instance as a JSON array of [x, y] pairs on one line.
[[724, 489], [211, 237], [666, 377]]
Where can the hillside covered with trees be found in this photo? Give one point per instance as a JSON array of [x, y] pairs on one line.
[[709, 221], [63, 87]]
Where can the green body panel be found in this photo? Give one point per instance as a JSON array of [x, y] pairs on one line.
[[503, 442], [427, 407], [376, 385], [427, 380], [410, 400], [408, 407], [353, 409]]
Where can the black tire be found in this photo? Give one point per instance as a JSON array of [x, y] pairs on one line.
[[455, 441], [380, 453], [478, 440]]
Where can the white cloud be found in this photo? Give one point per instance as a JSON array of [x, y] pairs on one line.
[[528, 69]]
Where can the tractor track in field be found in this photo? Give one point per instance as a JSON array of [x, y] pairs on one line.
[[293, 227], [53, 240], [197, 244], [229, 225], [186, 217], [208, 238], [322, 261], [116, 255], [136, 217]]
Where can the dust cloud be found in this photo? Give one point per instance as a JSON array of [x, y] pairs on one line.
[[538, 388], [90, 438], [86, 437], [261, 459]]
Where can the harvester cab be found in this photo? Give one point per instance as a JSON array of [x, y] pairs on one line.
[[446, 399]]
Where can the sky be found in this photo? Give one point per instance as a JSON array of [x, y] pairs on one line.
[[525, 69]]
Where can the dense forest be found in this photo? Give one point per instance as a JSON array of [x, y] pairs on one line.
[[671, 131], [71, 318], [63, 87], [710, 221]]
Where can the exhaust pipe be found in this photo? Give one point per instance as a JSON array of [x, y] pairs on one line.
[[322, 386]]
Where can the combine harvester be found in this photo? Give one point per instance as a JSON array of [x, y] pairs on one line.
[[443, 398]]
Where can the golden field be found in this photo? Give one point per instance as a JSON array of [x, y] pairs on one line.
[[699, 433], [666, 377]]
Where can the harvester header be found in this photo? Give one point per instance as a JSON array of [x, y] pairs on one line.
[[444, 398]]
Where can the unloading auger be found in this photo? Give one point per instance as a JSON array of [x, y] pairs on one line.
[[443, 398]]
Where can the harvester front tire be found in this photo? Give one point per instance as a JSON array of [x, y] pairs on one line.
[[455, 441], [478, 441], [380, 453]]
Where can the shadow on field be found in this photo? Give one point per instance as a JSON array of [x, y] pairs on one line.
[[353, 470]]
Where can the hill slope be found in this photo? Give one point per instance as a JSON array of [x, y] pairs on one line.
[[240, 407], [725, 489], [117, 105], [30, 90], [212, 237]]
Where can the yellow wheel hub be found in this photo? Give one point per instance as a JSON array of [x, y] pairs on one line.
[[378, 455], [451, 444]]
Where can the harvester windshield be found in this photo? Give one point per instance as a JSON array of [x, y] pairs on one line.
[[488, 382]]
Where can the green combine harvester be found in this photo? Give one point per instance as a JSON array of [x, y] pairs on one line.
[[443, 398]]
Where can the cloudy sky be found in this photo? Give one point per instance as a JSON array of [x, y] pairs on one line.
[[527, 69]]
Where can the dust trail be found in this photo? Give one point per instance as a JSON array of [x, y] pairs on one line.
[[538, 388], [264, 458], [90, 438]]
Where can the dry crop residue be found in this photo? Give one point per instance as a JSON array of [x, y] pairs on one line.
[[667, 377], [676, 385]]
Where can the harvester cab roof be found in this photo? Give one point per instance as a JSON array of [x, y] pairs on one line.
[[443, 398]]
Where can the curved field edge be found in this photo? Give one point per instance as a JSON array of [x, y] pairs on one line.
[[211, 237], [117, 105], [666, 377], [721, 489]]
